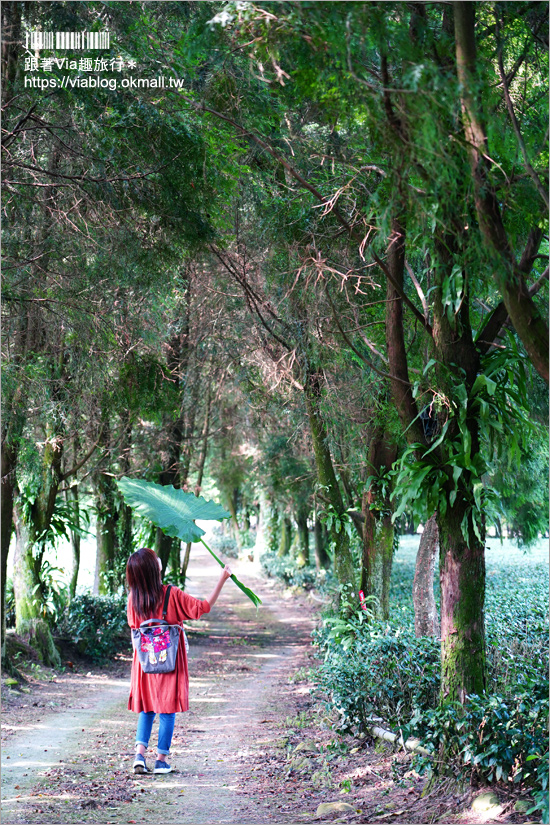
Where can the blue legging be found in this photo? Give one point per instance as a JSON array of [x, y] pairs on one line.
[[166, 730]]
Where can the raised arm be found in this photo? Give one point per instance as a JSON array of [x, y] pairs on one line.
[[213, 597]]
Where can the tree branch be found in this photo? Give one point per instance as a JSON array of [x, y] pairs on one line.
[[542, 190], [356, 351]]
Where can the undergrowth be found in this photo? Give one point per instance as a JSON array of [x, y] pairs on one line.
[[380, 672], [287, 570], [96, 624]]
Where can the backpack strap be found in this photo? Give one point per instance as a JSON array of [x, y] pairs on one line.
[[167, 596]]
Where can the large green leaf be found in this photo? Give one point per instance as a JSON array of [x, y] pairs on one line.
[[173, 511], [170, 509]]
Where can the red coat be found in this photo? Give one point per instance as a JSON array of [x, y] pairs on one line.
[[165, 692]]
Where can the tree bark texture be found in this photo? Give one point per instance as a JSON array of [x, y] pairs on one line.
[[285, 536], [378, 529], [106, 538], [322, 559], [72, 496], [29, 621], [426, 619], [8, 460], [462, 582], [343, 560], [303, 538], [178, 354]]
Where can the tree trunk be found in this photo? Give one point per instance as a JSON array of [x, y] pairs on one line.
[[204, 443], [378, 530], [231, 499], [72, 494], [426, 620], [125, 530], [185, 565], [106, 541], [262, 527], [303, 539], [343, 560], [462, 581], [6, 524], [322, 559], [11, 37], [174, 470], [462, 565], [29, 620], [285, 539], [273, 527]]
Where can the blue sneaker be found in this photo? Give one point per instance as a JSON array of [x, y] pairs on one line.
[[140, 765], [161, 766]]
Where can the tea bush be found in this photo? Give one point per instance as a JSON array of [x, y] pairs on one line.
[[286, 569], [96, 624], [382, 671], [386, 677], [492, 738], [226, 545]]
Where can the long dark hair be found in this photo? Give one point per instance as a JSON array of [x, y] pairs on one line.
[[144, 582]]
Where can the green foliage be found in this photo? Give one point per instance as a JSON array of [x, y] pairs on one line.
[[516, 615], [523, 490], [224, 544], [375, 671], [379, 675], [346, 627], [169, 508], [54, 592], [492, 738], [498, 401], [9, 603], [96, 624], [286, 569], [339, 522]]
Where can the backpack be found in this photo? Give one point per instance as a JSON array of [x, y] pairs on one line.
[[156, 642]]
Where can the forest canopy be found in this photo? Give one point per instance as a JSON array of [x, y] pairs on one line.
[[295, 252]]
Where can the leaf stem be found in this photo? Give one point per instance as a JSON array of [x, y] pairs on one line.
[[256, 601]]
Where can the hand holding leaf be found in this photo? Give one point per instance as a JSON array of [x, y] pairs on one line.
[[174, 512]]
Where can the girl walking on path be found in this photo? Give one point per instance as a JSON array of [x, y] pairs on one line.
[[162, 693]]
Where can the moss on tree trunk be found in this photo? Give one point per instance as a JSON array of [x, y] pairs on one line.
[[303, 539], [285, 539], [462, 580], [378, 529], [29, 620]]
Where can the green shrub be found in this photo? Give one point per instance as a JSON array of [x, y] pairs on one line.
[[382, 671], [286, 569], [225, 545], [516, 615], [492, 738], [381, 676], [9, 604], [96, 624]]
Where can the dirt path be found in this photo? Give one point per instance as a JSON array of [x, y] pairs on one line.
[[74, 765], [257, 746]]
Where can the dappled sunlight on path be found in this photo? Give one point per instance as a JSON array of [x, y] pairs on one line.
[[240, 660]]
